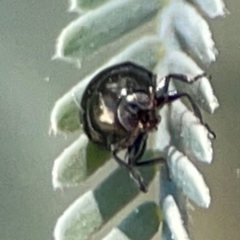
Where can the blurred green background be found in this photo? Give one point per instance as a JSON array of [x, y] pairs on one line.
[[29, 207]]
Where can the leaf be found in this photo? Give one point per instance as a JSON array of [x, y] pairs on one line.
[[103, 25]]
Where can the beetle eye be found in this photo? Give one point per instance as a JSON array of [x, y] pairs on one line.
[[133, 107], [127, 115]]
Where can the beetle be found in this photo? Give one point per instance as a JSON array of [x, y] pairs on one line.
[[120, 106]]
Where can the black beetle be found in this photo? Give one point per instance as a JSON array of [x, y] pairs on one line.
[[120, 106]]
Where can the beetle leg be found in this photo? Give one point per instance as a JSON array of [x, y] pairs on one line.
[[133, 172], [136, 150], [182, 78], [150, 162], [164, 91], [174, 95]]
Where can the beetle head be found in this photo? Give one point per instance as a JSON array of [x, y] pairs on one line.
[[137, 110]]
